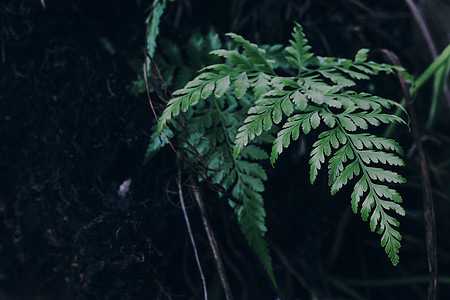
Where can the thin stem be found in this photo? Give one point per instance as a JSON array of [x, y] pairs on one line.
[[212, 241], [222, 124], [188, 225], [426, 33], [423, 27], [428, 203]]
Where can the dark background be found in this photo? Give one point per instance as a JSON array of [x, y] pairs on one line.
[[71, 134]]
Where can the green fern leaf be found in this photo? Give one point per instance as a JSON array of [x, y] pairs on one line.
[[251, 219], [291, 129], [243, 177], [156, 143], [153, 27], [260, 84], [300, 100], [254, 153], [298, 52], [264, 102], [189, 96], [368, 156], [263, 115], [351, 170], [323, 147], [384, 175], [241, 84], [361, 55], [222, 86], [256, 56], [365, 140], [337, 78], [337, 161]]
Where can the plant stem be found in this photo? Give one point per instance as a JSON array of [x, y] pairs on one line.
[[423, 27], [428, 204], [188, 225], [431, 70], [212, 241]]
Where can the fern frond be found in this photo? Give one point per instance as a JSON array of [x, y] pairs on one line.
[[266, 112], [153, 26], [256, 56], [243, 177], [251, 216], [352, 158], [239, 71], [212, 126], [245, 100], [291, 130], [201, 87], [357, 165]]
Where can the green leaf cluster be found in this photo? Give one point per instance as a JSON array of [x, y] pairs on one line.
[[208, 131], [212, 128], [244, 177], [241, 103]]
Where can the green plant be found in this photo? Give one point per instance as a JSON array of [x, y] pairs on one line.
[[439, 71], [153, 21], [225, 116], [157, 10]]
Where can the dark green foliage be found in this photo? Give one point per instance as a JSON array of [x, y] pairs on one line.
[[157, 10], [233, 106]]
